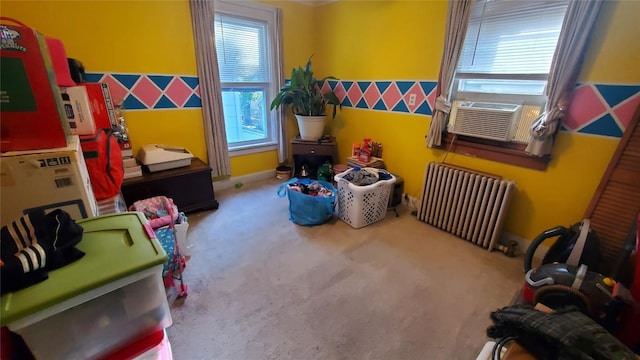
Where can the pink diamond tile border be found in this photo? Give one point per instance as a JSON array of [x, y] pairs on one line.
[[340, 92], [118, 91], [585, 107], [371, 95], [146, 91], [354, 94], [419, 94], [178, 92], [391, 96], [325, 87], [624, 111], [431, 99]]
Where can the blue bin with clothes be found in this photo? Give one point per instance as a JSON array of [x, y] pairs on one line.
[[311, 202]]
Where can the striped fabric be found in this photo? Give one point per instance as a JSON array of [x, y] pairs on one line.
[[35, 244], [19, 238]]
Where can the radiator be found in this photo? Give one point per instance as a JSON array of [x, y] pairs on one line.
[[466, 203]]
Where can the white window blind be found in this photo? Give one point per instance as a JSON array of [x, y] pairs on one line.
[[512, 37], [241, 46]]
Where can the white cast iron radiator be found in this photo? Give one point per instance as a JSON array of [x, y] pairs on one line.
[[466, 203]]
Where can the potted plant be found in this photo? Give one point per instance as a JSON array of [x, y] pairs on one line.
[[307, 101]]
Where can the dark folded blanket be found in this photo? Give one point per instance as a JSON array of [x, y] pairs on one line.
[[564, 334], [35, 244]]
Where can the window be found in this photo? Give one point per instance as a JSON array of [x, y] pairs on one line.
[[509, 46], [506, 58], [245, 45]]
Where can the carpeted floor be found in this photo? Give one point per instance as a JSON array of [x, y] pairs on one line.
[[262, 287]]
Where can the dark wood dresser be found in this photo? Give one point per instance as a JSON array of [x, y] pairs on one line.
[[191, 188], [313, 154]]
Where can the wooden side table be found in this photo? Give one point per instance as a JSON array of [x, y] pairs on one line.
[[190, 187], [313, 154]]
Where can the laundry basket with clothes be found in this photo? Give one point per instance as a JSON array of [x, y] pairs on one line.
[[163, 215], [311, 202], [363, 195]]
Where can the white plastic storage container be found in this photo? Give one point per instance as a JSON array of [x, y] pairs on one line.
[[360, 206], [86, 329], [95, 305], [181, 235]]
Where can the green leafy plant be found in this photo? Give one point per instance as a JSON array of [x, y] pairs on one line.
[[304, 95]]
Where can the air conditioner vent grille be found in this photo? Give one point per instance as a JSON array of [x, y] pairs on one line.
[[488, 122]]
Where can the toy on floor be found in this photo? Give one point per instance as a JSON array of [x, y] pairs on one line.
[[163, 215]]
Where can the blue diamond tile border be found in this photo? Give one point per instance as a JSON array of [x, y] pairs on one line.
[[131, 102], [94, 77], [606, 125], [161, 80], [615, 94]]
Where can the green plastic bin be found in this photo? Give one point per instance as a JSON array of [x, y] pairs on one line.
[[110, 296]]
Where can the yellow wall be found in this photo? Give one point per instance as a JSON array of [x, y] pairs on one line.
[[614, 54], [380, 40], [153, 37], [395, 40]]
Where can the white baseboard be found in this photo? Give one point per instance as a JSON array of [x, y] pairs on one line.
[[231, 182]]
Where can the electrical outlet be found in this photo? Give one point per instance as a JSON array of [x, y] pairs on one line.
[[412, 99]]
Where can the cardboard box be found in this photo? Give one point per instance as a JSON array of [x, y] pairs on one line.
[[102, 109], [30, 103], [78, 110], [48, 179]]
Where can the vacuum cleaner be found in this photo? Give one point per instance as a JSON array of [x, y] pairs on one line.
[[577, 244], [568, 274], [559, 285]]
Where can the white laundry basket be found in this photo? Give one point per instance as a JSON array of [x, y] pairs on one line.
[[360, 206]]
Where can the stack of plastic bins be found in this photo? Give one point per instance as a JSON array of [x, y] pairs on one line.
[[94, 306]]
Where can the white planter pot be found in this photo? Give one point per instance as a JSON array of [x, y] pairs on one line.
[[311, 127]]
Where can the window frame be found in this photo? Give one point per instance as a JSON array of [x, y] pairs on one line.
[[266, 14], [512, 152], [507, 153]]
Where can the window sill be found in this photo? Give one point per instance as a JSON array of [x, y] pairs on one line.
[[507, 153], [252, 149]]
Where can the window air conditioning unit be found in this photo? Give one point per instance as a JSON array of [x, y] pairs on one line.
[[486, 120]]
